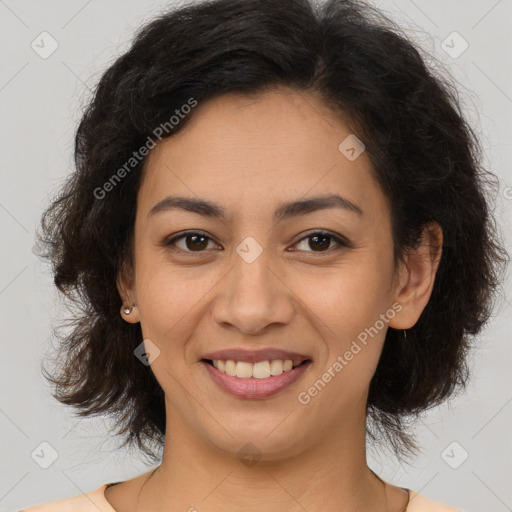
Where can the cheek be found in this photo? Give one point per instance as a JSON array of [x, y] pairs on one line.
[[349, 311], [349, 297], [170, 297], [352, 308]]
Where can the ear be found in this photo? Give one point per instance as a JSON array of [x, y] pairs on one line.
[[125, 286], [417, 276]]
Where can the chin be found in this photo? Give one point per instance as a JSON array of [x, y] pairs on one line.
[[256, 444]]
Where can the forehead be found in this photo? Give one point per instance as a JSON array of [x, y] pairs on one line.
[[255, 151]]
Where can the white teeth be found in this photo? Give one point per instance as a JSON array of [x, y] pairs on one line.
[[243, 370], [230, 368], [276, 367], [259, 370]]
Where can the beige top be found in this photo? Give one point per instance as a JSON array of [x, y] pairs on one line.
[[95, 501]]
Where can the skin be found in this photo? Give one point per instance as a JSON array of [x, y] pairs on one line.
[[250, 154]]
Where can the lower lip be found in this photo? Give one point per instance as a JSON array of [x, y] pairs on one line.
[[255, 388]]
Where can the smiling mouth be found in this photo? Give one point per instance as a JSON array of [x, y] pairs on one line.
[[258, 370]]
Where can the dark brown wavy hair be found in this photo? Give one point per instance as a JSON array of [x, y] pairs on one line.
[[424, 154]]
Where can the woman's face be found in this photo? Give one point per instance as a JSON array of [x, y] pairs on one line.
[[260, 279]]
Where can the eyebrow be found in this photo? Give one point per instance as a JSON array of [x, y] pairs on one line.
[[284, 210]]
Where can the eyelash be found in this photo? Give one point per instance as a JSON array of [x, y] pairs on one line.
[[342, 243]]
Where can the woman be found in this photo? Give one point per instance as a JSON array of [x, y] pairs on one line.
[[279, 227]]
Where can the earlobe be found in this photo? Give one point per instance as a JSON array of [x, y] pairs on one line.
[[419, 273], [130, 314], [127, 309], [124, 282]]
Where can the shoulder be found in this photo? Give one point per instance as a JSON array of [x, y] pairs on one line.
[[93, 501], [420, 503]]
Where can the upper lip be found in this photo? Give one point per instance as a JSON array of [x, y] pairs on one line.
[[254, 356]]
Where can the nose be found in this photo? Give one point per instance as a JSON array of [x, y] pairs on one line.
[[253, 296]]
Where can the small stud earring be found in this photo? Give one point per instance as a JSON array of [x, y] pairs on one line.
[[127, 310]]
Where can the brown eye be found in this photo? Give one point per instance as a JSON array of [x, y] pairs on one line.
[[321, 242], [197, 242], [193, 242]]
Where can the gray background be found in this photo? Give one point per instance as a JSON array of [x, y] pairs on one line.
[[40, 104]]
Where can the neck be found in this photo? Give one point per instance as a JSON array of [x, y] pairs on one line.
[[329, 474]]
